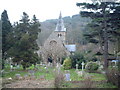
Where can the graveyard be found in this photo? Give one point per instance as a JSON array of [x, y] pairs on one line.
[[41, 76], [79, 47]]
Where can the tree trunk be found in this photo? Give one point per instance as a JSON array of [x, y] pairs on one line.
[[105, 53]]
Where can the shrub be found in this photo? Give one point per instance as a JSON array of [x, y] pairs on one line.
[[91, 67], [31, 67], [88, 83], [59, 79], [77, 58], [113, 76], [67, 64]]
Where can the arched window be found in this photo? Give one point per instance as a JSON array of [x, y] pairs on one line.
[[53, 42]]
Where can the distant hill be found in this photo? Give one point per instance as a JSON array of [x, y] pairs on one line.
[[75, 26]]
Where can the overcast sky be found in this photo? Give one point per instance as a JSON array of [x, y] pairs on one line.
[[43, 9]]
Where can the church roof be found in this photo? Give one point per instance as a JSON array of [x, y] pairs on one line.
[[71, 48], [60, 24]]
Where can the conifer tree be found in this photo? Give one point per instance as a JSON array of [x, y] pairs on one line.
[[104, 17], [6, 29], [25, 45]]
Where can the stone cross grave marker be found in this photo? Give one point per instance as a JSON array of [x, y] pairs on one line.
[[83, 65]]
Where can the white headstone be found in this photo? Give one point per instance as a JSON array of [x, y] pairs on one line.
[[57, 65], [11, 67], [49, 64], [76, 66], [18, 66], [59, 68], [41, 63], [83, 65], [45, 67]]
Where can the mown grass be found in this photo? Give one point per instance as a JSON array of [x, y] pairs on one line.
[[49, 75], [97, 77]]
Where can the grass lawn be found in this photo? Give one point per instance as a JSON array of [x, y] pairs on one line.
[[49, 75]]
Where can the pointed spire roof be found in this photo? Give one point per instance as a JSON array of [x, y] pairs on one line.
[[60, 16], [60, 24]]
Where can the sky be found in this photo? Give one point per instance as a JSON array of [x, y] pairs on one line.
[[43, 9]]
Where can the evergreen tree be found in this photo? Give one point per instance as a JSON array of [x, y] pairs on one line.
[[6, 29], [25, 45], [102, 23]]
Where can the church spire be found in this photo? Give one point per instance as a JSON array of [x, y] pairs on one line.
[[60, 16], [60, 24]]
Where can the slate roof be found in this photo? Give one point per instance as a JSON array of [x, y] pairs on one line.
[[71, 48]]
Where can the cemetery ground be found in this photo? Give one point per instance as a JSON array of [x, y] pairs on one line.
[[42, 77]]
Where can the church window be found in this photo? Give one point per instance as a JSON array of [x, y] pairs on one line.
[[53, 42], [59, 35]]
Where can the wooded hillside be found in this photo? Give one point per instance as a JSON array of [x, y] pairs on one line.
[[75, 26]]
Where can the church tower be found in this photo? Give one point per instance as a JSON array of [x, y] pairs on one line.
[[60, 30]]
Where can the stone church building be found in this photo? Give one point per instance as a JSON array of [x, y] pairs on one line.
[[55, 46]]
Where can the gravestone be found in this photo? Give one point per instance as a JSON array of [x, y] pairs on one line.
[[11, 67], [31, 72], [81, 73], [57, 65], [45, 68], [76, 67], [51, 64], [83, 65], [58, 68], [67, 76], [48, 64], [100, 67], [18, 76], [98, 62], [18, 66], [41, 64], [25, 76]]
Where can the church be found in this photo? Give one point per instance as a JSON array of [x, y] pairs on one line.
[[55, 46]]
